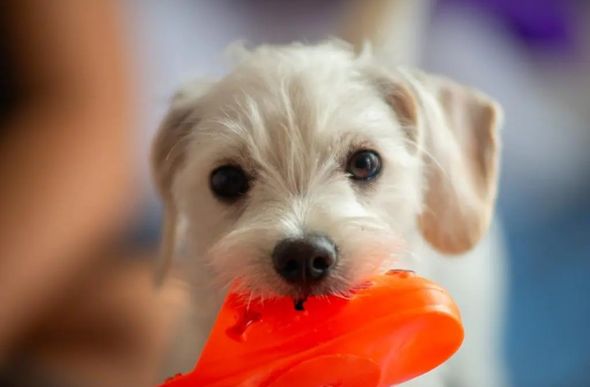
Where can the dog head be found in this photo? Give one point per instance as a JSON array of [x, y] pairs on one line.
[[308, 168]]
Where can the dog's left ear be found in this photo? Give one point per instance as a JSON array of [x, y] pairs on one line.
[[454, 129], [168, 155]]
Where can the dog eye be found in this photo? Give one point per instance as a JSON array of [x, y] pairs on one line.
[[364, 165], [229, 182]]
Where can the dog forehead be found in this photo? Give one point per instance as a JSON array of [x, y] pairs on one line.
[[290, 105]]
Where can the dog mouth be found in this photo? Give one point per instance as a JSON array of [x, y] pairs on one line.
[[300, 294], [303, 294], [299, 303], [300, 298]]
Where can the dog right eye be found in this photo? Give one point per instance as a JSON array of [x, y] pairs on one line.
[[364, 165], [229, 182]]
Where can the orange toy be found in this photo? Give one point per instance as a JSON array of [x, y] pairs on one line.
[[398, 327]]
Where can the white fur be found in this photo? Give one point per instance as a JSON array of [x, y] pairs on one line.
[[290, 116]]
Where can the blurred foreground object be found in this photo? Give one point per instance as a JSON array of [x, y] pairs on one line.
[[396, 328], [72, 311]]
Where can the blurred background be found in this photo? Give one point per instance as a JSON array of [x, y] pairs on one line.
[[531, 55]]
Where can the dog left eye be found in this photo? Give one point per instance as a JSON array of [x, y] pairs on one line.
[[364, 165], [229, 182]]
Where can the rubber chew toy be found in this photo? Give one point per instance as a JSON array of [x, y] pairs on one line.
[[398, 327]]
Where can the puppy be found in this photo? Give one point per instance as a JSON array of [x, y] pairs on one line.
[[309, 168]]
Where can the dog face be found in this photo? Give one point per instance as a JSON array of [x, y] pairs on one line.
[[308, 168]]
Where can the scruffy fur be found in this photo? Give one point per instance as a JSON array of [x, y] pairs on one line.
[[290, 116]]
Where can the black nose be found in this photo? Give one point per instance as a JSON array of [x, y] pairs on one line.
[[306, 260]]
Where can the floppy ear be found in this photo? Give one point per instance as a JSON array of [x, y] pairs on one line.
[[454, 128], [168, 155]]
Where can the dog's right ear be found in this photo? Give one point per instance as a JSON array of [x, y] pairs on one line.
[[453, 128], [167, 157]]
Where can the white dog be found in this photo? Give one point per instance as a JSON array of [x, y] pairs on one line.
[[309, 168]]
